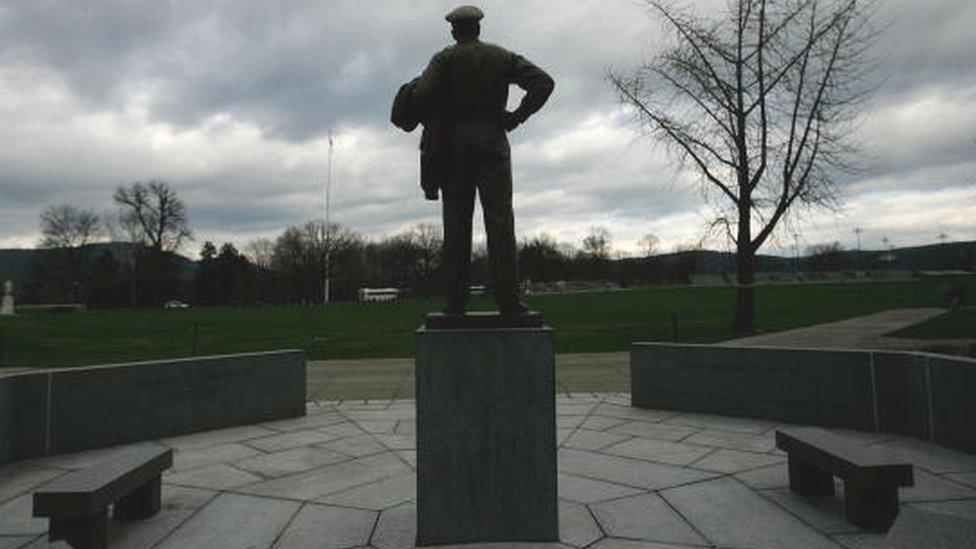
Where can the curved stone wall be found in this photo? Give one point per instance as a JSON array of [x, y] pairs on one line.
[[924, 395], [70, 409]]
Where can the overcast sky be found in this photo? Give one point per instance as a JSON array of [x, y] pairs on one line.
[[231, 103]]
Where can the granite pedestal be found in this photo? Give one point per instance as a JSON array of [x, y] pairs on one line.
[[486, 435]]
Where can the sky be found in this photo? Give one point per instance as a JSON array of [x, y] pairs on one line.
[[232, 102]]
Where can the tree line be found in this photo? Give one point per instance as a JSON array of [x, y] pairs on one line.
[[129, 259]]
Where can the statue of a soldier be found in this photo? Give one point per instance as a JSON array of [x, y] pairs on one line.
[[461, 99]]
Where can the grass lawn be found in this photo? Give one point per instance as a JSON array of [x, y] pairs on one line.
[[585, 322], [959, 324]]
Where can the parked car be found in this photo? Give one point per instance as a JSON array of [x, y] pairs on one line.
[[175, 304]]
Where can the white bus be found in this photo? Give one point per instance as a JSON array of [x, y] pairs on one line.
[[378, 294]]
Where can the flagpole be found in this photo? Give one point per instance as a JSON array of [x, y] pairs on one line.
[[325, 227]]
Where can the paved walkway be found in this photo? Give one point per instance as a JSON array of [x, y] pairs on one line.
[[344, 476], [862, 332], [392, 378]]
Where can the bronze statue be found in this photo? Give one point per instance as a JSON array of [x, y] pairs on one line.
[[461, 99]]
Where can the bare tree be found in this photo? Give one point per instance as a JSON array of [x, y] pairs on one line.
[[153, 214], [260, 252], [69, 230], [428, 239], [597, 243], [69, 227], [761, 104], [648, 244]]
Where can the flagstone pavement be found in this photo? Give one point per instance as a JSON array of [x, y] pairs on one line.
[[343, 476]]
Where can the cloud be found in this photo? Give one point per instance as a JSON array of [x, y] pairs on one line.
[[232, 102]]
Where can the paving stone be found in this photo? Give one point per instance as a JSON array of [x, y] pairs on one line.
[[568, 422], [343, 429], [289, 462], [623, 399], [915, 527], [599, 423], [358, 446], [360, 404], [733, 461], [181, 497], [562, 435], [612, 543], [234, 521], [733, 441], [294, 439], [389, 414], [216, 438], [929, 487], [396, 528], [87, 458], [14, 542], [657, 450], [331, 478], [774, 476], [17, 518], [629, 472], [825, 513], [312, 407], [963, 508], [378, 495], [146, 532], [722, 423], [965, 478], [405, 428], [20, 477], [863, 541], [592, 440], [43, 543], [378, 427], [410, 456], [631, 413], [571, 408], [327, 527], [576, 525], [936, 459], [201, 457], [728, 513], [506, 545], [398, 442], [585, 490], [660, 431], [646, 517], [588, 398], [216, 477], [311, 421]]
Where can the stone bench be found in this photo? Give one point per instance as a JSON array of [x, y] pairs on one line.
[[77, 503], [871, 478]]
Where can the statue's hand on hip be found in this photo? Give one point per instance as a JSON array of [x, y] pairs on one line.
[[510, 120]]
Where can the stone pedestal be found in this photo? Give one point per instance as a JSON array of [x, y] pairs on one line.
[[486, 435]]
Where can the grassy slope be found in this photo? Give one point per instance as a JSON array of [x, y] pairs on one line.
[[606, 321], [957, 324]]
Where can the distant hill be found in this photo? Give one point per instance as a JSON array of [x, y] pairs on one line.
[[951, 255], [16, 264]]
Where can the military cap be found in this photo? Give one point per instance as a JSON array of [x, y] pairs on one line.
[[464, 13]]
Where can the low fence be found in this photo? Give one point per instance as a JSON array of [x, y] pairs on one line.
[[65, 410], [924, 395]]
